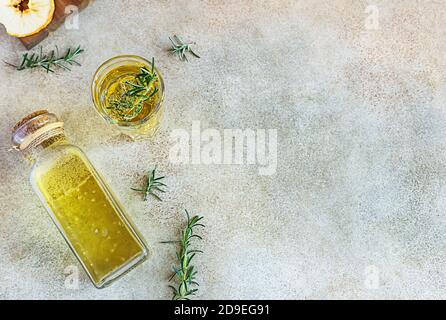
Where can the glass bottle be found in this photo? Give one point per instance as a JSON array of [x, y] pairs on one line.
[[80, 203]]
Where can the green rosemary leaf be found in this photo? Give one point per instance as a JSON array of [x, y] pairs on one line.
[[155, 196], [191, 257], [195, 251], [196, 236]]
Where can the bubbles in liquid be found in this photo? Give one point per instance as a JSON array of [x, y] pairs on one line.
[[113, 248], [104, 232], [88, 217]]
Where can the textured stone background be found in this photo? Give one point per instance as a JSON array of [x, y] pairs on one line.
[[361, 176]]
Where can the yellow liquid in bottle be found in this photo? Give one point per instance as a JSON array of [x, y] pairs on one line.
[[88, 216]]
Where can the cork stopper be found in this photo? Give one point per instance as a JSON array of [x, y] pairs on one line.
[[37, 128], [29, 117]]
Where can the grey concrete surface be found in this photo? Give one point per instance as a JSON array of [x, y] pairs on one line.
[[357, 206]]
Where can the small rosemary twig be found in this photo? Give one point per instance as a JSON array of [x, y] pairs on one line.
[[180, 48], [184, 271], [153, 184], [49, 61]]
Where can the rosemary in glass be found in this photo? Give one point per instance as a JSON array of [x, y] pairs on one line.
[[131, 102]]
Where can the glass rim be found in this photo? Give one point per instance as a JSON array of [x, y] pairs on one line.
[[97, 105]]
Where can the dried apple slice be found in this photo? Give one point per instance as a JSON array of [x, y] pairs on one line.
[[23, 18]]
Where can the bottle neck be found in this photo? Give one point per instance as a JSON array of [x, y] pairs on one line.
[[34, 152], [37, 133]]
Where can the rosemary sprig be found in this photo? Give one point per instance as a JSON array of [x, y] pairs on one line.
[[49, 61], [143, 83], [185, 272], [135, 94], [180, 48], [153, 184]]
